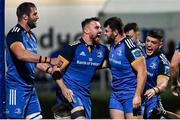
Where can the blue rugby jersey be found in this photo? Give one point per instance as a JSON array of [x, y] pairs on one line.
[[121, 56], [20, 74], [156, 65], [83, 65]]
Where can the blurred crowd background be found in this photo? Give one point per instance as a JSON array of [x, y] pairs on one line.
[[60, 24]]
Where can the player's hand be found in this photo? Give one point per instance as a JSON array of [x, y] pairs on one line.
[[68, 94], [55, 68], [150, 93], [136, 102], [175, 90], [55, 61]]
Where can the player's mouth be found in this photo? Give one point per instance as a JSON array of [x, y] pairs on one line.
[[149, 51]]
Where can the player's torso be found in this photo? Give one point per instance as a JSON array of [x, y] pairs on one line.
[[84, 65], [123, 75], [19, 72], [152, 65]]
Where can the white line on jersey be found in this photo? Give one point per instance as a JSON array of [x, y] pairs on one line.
[[15, 29], [129, 43], [12, 97], [164, 60]]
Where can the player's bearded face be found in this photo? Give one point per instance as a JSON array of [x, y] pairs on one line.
[[32, 18], [31, 23], [111, 38]]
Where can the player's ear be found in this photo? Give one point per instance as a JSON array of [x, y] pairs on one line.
[[25, 17], [115, 33], [161, 45], [86, 30]]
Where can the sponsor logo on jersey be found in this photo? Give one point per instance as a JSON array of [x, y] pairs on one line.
[[136, 53]]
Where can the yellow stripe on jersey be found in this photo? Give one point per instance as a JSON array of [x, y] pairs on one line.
[[142, 57], [28, 34], [15, 43], [89, 49], [163, 76], [63, 59]]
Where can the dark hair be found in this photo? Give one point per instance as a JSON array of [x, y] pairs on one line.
[[114, 23], [156, 33], [131, 26], [24, 8], [88, 20]]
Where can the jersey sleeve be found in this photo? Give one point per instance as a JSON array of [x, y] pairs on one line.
[[132, 51], [164, 68], [13, 37], [68, 52]]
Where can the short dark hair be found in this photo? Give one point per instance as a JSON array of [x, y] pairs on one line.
[[156, 33], [88, 20], [131, 26], [114, 23], [24, 8]]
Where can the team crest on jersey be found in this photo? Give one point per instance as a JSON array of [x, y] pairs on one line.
[[82, 53], [99, 54], [136, 53], [153, 65], [119, 53]]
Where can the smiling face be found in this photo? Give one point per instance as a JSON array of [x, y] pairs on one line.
[[152, 45]]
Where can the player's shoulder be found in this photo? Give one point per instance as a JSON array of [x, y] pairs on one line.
[[16, 29], [129, 43], [75, 43], [163, 59]]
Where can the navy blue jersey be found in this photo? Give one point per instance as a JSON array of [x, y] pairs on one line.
[[20, 74], [82, 65], [121, 56], [156, 65]]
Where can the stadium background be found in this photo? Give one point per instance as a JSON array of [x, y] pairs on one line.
[[59, 24]]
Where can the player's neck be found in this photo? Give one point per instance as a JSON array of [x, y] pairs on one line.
[[25, 26], [119, 38], [87, 40]]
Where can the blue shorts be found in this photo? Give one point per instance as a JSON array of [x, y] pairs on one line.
[[20, 103], [149, 105], [79, 100], [124, 105]]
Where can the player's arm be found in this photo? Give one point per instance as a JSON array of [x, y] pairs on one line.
[[21, 53], [137, 60], [175, 72], [162, 82], [105, 63], [67, 93], [163, 76], [175, 66], [65, 57], [139, 66]]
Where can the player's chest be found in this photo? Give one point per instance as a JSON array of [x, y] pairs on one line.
[[88, 58]]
